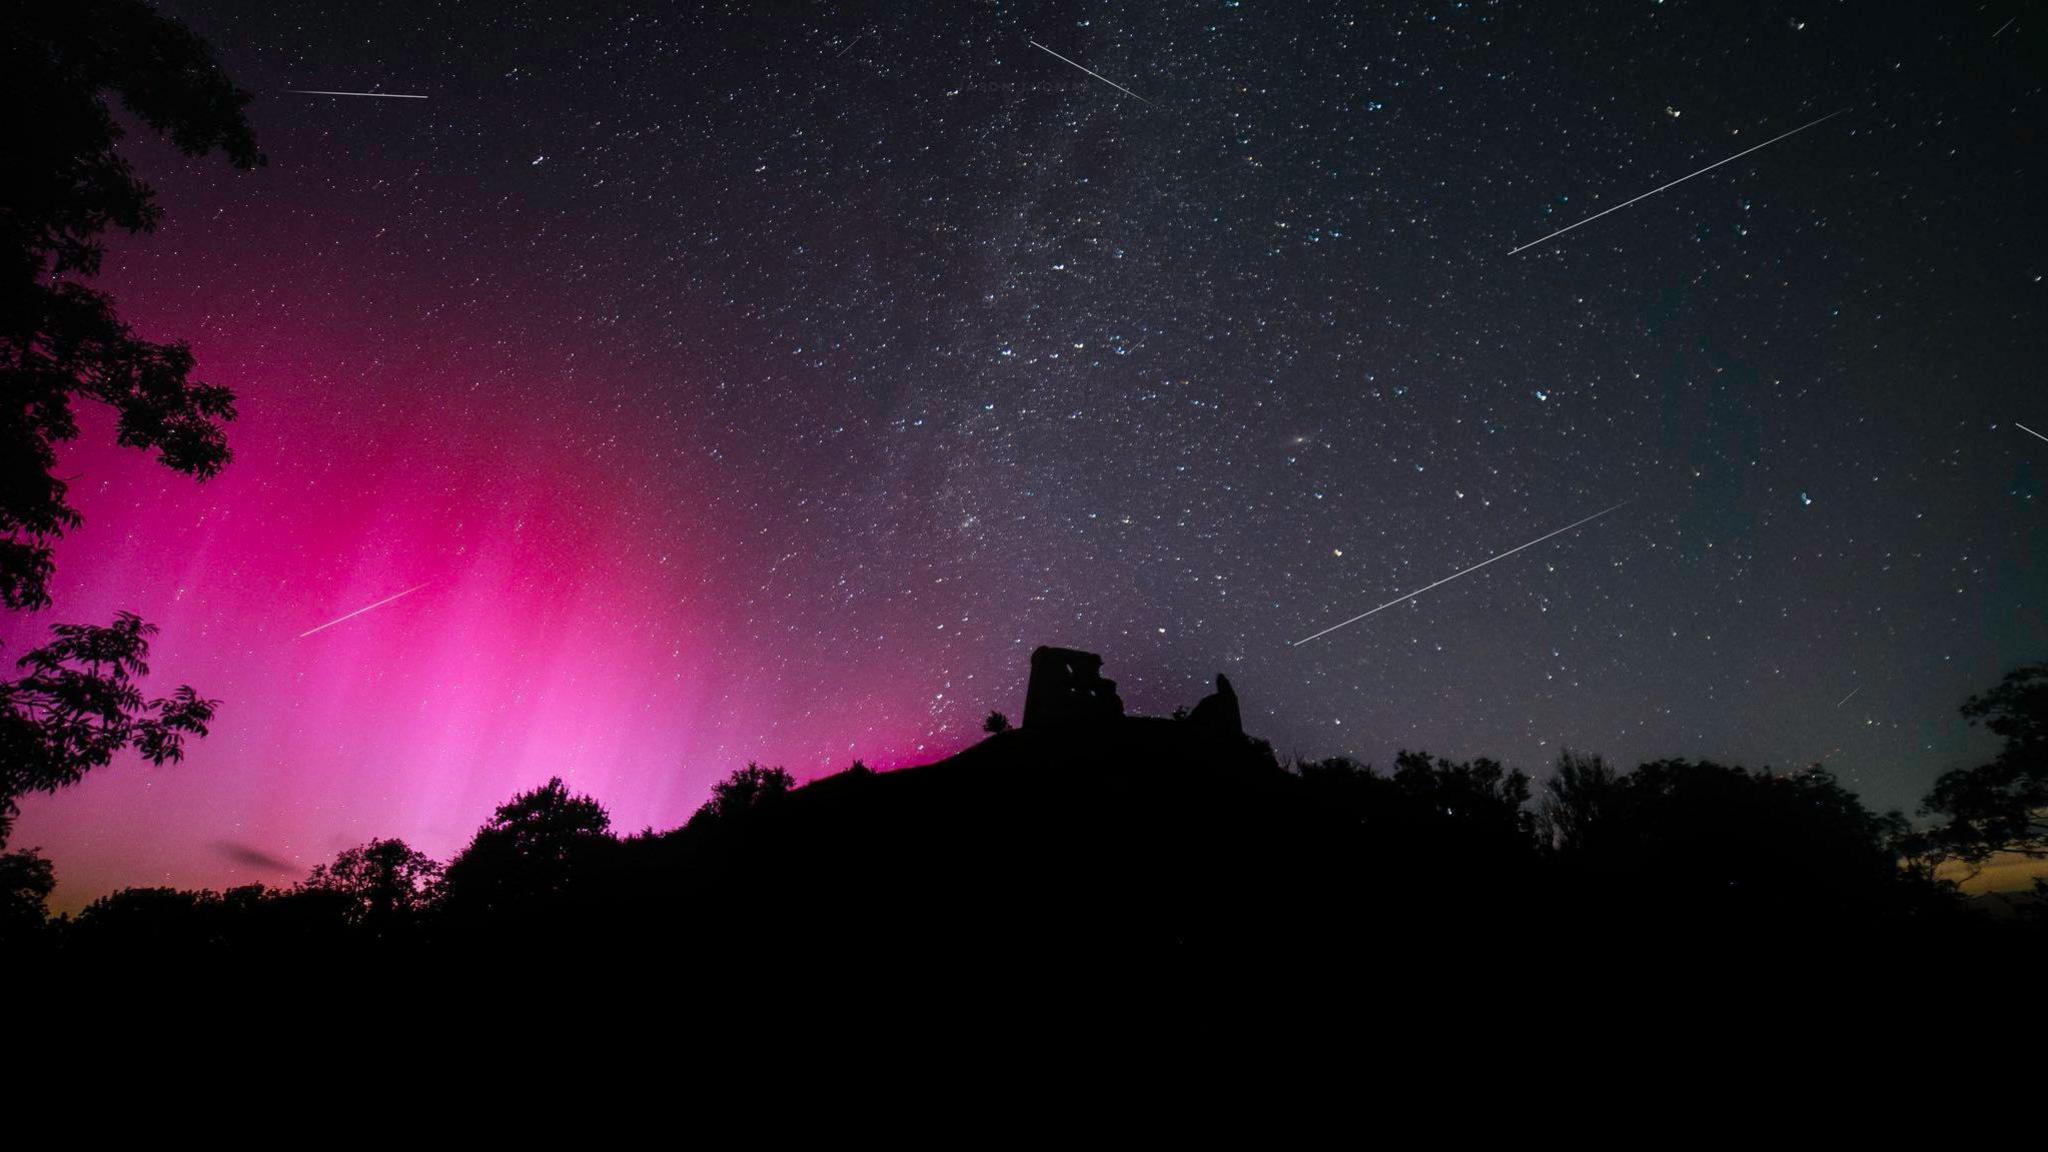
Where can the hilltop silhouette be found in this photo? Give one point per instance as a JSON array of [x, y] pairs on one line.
[[1089, 844]]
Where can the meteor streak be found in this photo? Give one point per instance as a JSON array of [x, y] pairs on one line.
[[1455, 575], [360, 611], [2028, 431], [1680, 180], [1097, 75], [377, 95]]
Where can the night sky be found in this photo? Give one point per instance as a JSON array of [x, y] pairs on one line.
[[765, 382]]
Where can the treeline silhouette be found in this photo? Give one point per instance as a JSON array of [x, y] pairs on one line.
[[1137, 841]]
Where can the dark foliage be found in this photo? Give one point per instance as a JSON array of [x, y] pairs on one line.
[[170, 925], [2001, 806], [1134, 852], [742, 793], [385, 885], [79, 704], [1703, 845], [538, 857], [1576, 801], [26, 881], [63, 184]]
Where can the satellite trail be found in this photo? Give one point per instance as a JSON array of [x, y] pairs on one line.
[[2028, 431], [1455, 575], [360, 611], [1680, 180]]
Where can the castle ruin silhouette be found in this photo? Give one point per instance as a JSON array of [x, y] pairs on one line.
[[1067, 688]]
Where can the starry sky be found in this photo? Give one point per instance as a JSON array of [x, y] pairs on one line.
[[763, 382]]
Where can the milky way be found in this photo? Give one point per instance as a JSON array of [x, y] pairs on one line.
[[765, 385]]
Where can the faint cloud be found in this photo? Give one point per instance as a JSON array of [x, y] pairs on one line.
[[253, 857]]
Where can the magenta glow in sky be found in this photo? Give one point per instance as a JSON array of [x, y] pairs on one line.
[[567, 621], [511, 664], [547, 639], [733, 384]]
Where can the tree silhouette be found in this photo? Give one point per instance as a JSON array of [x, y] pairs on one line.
[[2001, 806], [1480, 799], [386, 884], [996, 724], [1344, 787], [1708, 841], [26, 881], [62, 185], [1136, 843], [79, 705], [535, 852], [744, 791], [149, 920], [1576, 801]]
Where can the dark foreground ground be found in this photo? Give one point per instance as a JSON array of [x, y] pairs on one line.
[[1148, 862]]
